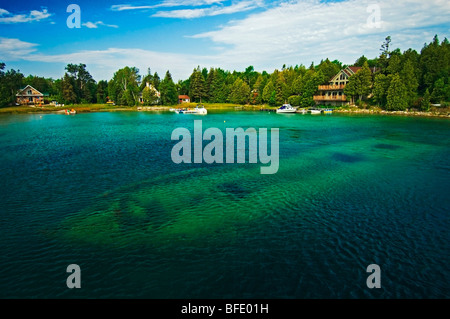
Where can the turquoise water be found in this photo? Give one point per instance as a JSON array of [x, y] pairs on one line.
[[100, 190]]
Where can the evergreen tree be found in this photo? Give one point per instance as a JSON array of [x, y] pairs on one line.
[[394, 64], [410, 80], [397, 95], [102, 89], [425, 103], [240, 92], [10, 83], [168, 90], [156, 81], [383, 60], [281, 93], [268, 93], [68, 92], [441, 91], [360, 84], [197, 88], [380, 88]]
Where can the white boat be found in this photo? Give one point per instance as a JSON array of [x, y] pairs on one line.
[[199, 109], [315, 111], [286, 108], [301, 111]]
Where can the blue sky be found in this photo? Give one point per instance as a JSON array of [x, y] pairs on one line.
[[231, 34]]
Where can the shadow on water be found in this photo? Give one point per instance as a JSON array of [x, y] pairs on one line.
[[347, 158], [387, 147], [234, 190]]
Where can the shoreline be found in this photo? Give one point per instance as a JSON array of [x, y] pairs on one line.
[[445, 113]]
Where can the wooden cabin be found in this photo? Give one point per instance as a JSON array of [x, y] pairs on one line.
[[29, 95]]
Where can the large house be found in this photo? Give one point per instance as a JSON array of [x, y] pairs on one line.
[[333, 93], [29, 95]]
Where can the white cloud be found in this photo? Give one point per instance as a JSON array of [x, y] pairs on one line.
[[308, 30], [104, 63], [296, 32], [94, 25], [166, 4], [34, 15], [210, 11], [15, 48]]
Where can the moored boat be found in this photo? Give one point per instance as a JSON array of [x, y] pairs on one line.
[[315, 111], [286, 108]]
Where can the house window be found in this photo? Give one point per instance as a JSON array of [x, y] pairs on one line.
[[30, 99], [29, 92]]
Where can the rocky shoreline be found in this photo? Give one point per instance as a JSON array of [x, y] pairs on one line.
[[384, 112]]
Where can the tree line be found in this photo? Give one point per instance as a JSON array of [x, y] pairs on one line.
[[394, 80]]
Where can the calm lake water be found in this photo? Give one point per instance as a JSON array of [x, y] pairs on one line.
[[100, 190]]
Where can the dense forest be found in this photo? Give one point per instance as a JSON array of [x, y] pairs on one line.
[[400, 81]]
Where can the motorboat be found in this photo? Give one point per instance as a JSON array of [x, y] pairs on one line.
[[286, 108], [315, 111], [199, 109]]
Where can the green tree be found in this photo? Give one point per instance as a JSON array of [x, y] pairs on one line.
[[149, 96], [397, 95], [312, 81], [441, 91], [361, 60], [240, 92], [83, 83], [260, 83], [68, 92], [380, 88], [197, 87], [124, 86], [168, 90], [102, 91], [328, 70], [269, 93], [425, 103], [360, 84], [383, 60], [409, 78], [281, 92], [10, 83]]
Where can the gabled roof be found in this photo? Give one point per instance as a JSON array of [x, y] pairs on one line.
[[350, 70], [20, 93], [184, 97]]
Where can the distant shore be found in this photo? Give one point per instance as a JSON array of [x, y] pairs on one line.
[[89, 108]]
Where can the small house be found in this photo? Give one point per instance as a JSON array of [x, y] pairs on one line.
[[156, 94], [183, 99], [29, 95]]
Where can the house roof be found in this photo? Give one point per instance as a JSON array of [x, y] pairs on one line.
[[21, 91], [184, 97], [350, 70]]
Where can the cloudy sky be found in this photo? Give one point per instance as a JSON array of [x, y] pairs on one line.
[[232, 34]]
